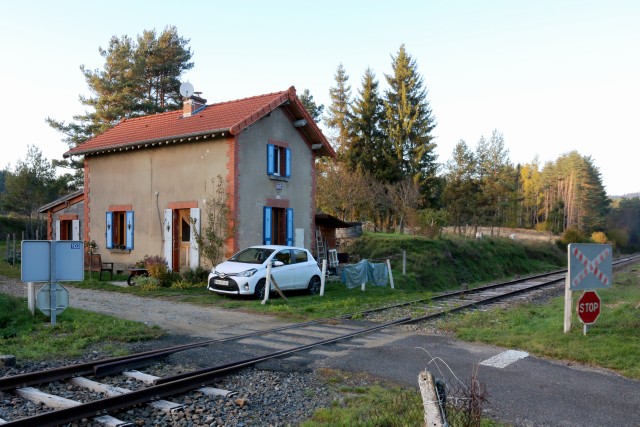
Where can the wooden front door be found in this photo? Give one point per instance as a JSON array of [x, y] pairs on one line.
[[181, 239]]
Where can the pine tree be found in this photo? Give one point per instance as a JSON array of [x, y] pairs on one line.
[[460, 195], [409, 123], [137, 78], [338, 114], [315, 110], [366, 150]]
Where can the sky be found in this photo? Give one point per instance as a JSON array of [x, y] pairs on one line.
[[551, 76]]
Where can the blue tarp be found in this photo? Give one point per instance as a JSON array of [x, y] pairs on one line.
[[355, 275]]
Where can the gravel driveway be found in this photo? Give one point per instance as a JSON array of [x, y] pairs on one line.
[[174, 317]]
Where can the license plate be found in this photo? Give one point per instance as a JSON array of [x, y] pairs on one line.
[[220, 282]]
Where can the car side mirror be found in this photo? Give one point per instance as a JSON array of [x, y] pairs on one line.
[[277, 264]]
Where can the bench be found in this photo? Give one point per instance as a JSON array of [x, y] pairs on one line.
[[95, 264]]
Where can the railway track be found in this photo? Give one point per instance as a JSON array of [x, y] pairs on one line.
[[102, 397]]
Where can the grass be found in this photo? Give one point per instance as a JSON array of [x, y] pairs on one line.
[[76, 331], [611, 343], [7, 269], [368, 402]]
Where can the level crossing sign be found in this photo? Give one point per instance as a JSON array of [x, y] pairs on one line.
[[590, 266]]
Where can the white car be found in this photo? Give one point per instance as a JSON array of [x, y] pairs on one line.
[[245, 272]]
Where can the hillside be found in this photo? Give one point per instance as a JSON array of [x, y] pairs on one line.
[[449, 262]]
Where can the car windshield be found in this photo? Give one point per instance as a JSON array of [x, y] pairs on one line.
[[252, 255]]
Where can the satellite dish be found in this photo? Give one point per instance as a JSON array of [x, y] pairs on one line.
[[186, 89]]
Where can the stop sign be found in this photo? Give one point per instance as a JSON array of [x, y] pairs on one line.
[[588, 307]]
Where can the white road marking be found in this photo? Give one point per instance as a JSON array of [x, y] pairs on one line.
[[505, 358]]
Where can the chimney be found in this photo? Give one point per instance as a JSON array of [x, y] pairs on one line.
[[192, 104]]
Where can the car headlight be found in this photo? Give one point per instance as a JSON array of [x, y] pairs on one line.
[[248, 273]]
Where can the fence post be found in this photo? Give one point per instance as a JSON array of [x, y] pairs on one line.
[[267, 285], [430, 401], [404, 263], [390, 273], [323, 278], [8, 242], [13, 258]]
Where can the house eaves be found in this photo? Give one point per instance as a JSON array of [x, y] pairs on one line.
[[136, 145]]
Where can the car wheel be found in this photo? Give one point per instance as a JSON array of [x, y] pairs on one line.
[[259, 291], [314, 285]]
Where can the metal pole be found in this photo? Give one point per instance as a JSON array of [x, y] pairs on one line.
[[54, 289], [13, 258], [31, 297]]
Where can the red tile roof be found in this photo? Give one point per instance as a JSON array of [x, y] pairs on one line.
[[231, 116]]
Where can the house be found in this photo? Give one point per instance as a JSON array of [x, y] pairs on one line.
[[147, 179], [65, 217]]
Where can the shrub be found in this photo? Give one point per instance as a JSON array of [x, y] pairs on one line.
[[599, 237], [572, 235], [171, 277], [157, 268], [195, 275], [147, 283]]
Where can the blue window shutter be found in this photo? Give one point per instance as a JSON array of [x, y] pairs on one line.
[[287, 169], [266, 222], [129, 225], [270, 159], [289, 227], [109, 232]]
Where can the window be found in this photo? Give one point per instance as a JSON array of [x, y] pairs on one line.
[[299, 256], [119, 231], [283, 256], [278, 161]]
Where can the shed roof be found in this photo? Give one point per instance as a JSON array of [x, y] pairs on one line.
[[78, 195], [231, 116]]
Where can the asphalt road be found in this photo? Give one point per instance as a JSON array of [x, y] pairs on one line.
[[528, 392]]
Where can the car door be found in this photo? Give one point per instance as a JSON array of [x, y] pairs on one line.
[[300, 261], [284, 274]]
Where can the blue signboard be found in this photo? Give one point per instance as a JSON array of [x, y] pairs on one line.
[[52, 260], [590, 266]]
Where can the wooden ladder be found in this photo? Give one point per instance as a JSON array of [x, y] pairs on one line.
[[321, 249]]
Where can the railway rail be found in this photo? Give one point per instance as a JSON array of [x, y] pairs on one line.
[[307, 335]]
